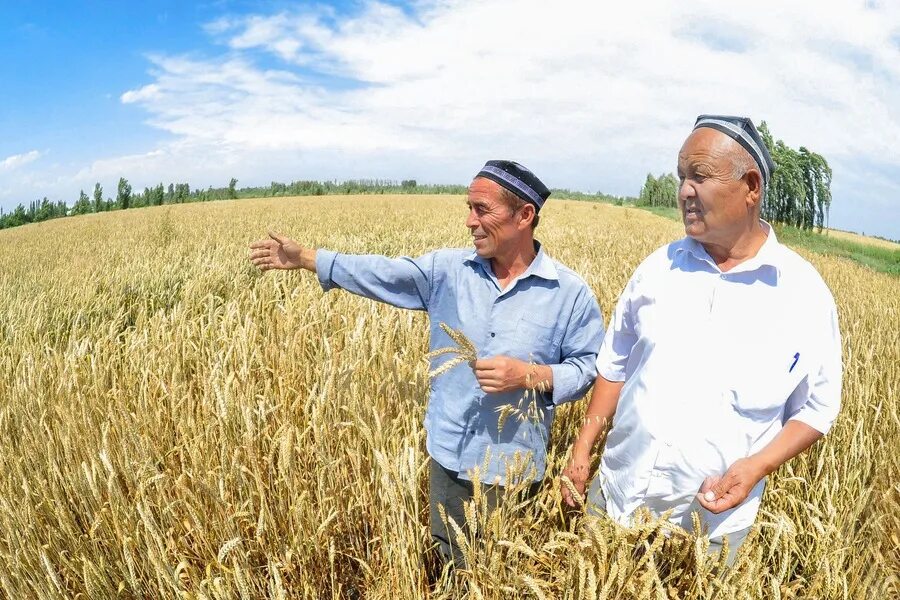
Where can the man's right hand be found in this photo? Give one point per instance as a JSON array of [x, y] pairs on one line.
[[276, 252], [577, 471]]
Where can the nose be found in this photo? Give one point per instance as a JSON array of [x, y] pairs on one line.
[[686, 191], [472, 219]]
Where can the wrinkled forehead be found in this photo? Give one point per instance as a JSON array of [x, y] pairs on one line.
[[707, 143], [484, 189]]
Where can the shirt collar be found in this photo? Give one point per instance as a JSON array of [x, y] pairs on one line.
[[542, 266], [767, 255]]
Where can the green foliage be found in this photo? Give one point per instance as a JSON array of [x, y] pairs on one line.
[[878, 258], [564, 194], [159, 195], [329, 188], [799, 192], [98, 198], [38, 210], [182, 191], [83, 205], [123, 196], [667, 212], [659, 191]]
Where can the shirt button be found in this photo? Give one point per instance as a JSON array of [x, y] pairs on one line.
[[493, 334], [723, 276], [472, 431]]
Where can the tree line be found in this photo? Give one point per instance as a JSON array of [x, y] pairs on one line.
[[798, 194], [179, 193]]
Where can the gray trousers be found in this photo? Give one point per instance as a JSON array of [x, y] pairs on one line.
[[446, 488], [596, 506]]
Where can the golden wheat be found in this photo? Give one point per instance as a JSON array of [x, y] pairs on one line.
[[174, 424]]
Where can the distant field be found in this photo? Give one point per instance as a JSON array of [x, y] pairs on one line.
[[862, 239], [175, 425]]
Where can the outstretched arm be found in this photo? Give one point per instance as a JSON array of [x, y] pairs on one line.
[[402, 282], [280, 252]]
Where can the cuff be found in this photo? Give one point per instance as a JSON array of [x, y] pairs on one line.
[[817, 421], [324, 266], [565, 384], [610, 372]]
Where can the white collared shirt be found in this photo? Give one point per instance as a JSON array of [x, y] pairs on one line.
[[713, 363]]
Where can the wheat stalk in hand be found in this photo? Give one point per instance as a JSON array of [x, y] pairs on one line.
[[465, 351]]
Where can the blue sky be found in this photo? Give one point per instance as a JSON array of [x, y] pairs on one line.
[[591, 96]]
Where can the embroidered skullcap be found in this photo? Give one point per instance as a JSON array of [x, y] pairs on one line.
[[517, 179], [741, 130]]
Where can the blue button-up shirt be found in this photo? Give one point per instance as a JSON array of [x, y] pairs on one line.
[[547, 315]]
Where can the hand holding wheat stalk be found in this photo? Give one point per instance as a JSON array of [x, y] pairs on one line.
[[465, 351]]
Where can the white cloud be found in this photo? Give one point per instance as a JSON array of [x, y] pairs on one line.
[[589, 95], [17, 160], [580, 82]]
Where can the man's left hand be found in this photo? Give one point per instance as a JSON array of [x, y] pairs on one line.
[[723, 492], [501, 374]]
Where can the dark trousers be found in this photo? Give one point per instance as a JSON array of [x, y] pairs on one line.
[[446, 488]]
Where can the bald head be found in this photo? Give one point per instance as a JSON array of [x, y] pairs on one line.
[[730, 155], [744, 132], [721, 187]]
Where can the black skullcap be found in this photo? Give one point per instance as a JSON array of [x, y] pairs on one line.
[[741, 130], [517, 179]]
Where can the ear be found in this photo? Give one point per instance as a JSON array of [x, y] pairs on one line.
[[754, 188], [528, 213]]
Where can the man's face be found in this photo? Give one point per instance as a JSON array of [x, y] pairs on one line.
[[715, 207], [495, 228]]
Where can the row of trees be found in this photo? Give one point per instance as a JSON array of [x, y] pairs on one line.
[[178, 193], [659, 191], [799, 191], [353, 186]]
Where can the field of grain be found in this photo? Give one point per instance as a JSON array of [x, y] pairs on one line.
[[175, 425], [862, 239]]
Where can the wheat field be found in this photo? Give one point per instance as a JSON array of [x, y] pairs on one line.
[[174, 424]]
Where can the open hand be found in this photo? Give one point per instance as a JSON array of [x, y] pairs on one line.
[[276, 252], [723, 492]]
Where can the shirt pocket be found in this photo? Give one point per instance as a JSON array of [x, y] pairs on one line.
[[763, 379], [536, 341]]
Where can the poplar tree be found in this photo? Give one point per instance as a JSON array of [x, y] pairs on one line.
[[123, 196], [83, 206], [799, 191], [98, 197]]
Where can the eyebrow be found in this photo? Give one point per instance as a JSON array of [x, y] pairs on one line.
[[693, 166]]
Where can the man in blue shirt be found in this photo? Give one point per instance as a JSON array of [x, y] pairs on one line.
[[535, 323]]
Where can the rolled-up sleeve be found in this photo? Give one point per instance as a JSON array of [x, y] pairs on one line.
[[620, 337], [578, 369], [817, 400], [403, 282]]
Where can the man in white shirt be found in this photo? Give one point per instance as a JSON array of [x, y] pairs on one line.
[[723, 357]]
